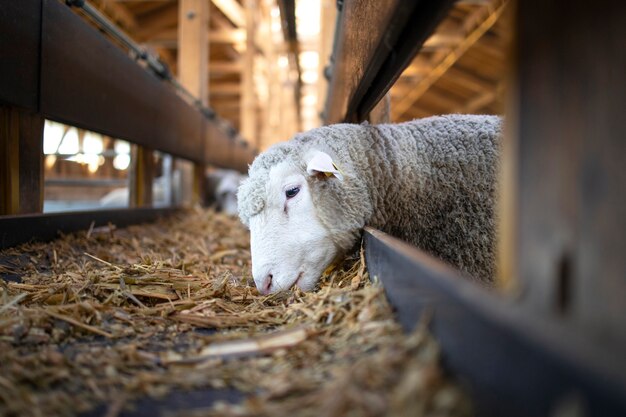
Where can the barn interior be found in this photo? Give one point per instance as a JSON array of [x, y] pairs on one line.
[[124, 291]]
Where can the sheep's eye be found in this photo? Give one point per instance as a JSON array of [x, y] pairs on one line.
[[292, 192]]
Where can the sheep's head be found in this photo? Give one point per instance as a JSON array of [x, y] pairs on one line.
[[301, 214]]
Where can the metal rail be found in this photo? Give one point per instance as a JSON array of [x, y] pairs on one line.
[[514, 363], [15, 230]]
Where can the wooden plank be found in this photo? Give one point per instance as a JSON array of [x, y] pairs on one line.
[[328, 22], [479, 22], [21, 153], [569, 130], [224, 67], [193, 51], [376, 41], [227, 36], [141, 176], [20, 43], [382, 112], [512, 362], [359, 33], [193, 60], [156, 21], [481, 100], [248, 109], [31, 128], [232, 10], [9, 162], [227, 89]]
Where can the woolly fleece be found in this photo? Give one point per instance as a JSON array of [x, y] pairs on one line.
[[431, 182]]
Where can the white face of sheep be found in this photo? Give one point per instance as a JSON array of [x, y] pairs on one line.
[[289, 245]]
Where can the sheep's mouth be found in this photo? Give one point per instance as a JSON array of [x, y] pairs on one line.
[[297, 283]]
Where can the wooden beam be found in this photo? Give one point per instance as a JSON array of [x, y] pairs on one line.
[[442, 40], [441, 101], [222, 23], [193, 51], [193, 60], [325, 48], [248, 107], [381, 112], [168, 38], [227, 36], [481, 100], [376, 41], [9, 162], [469, 79], [156, 22], [21, 161], [232, 10], [227, 106], [479, 22], [568, 132], [141, 176], [226, 89], [224, 67], [120, 14]]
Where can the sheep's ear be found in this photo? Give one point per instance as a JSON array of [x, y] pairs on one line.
[[320, 163]]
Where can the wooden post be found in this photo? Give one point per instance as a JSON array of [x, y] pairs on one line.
[[141, 176], [381, 113], [568, 147], [21, 162], [328, 21], [193, 60], [193, 48], [248, 115]]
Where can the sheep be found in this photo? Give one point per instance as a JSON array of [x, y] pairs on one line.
[[221, 190], [431, 182]]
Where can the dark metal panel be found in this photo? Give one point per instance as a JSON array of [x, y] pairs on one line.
[[20, 36], [89, 82], [513, 362], [375, 42], [42, 227]]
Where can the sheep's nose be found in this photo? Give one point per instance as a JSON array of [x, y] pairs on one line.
[[266, 284]]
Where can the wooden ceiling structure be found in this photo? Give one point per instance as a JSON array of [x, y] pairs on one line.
[[460, 69], [247, 58]]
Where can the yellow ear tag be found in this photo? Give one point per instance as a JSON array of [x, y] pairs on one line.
[[330, 269], [338, 169]]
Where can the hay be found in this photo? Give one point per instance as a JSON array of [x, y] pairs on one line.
[[112, 315]]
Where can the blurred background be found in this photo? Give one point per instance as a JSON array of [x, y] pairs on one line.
[[269, 80]]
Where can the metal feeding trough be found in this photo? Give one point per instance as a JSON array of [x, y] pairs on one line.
[[547, 341]]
